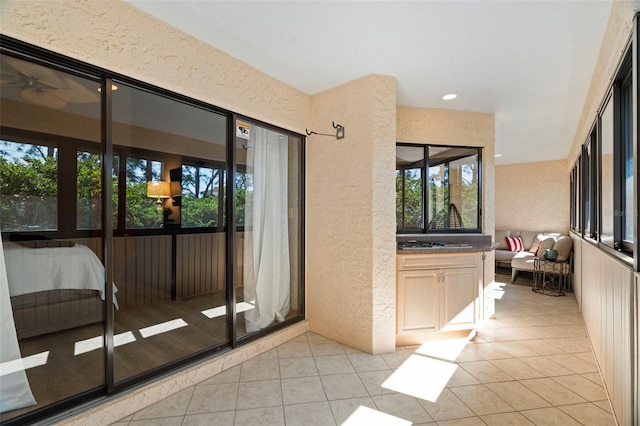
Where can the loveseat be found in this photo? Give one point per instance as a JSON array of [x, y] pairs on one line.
[[519, 249]]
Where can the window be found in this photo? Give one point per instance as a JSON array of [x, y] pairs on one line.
[[589, 185], [202, 197], [626, 163], [409, 187], [602, 188], [29, 187], [142, 212], [607, 173], [575, 196], [444, 182], [88, 190]]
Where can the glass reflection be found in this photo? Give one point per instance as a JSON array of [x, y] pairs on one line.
[[268, 237], [169, 248], [51, 273]]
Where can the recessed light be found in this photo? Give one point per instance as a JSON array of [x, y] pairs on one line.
[[498, 155], [449, 97]]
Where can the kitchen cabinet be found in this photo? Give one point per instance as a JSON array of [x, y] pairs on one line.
[[438, 292]]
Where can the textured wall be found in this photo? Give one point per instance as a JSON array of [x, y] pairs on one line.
[[350, 250], [446, 127], [616, 36], [533, 196], [118, 37]]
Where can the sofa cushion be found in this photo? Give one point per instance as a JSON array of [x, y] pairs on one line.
[[514, 243], [563, 246], [529, 240], [536, 243], [504, 255], [501, 240], [523, 261], [546, 243]]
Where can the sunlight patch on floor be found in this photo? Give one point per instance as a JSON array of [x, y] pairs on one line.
[[422, 377], [88, 345], [368, 416], [25, 363], [447, 350], [220, 311], [162, 327]]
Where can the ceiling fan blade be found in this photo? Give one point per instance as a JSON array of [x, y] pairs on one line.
[[37, 72], [75, 92], [42, 98]]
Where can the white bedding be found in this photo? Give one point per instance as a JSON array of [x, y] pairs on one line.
[[14, 387], [30, 270]]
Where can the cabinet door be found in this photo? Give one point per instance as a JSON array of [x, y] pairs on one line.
[[458, 303], [418, 302]]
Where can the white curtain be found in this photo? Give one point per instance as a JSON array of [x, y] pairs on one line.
[[266, 243], [14, 387]]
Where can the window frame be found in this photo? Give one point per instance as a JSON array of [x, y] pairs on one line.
[[210, 164], [19, 49], [425, 202]]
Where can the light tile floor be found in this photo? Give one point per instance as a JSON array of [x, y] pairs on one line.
[[531, 365]]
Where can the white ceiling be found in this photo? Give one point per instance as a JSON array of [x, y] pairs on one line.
[[529, 62]]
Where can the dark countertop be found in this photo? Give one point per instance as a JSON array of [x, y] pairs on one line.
[[447, 243]]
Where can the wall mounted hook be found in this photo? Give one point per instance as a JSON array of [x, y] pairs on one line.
[[339, 131]]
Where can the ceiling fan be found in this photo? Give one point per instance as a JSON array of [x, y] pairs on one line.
[[45, 87]]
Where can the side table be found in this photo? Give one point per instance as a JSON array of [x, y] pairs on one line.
[[551, 276]]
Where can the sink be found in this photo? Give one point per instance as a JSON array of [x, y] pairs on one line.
[[419, 245], [429, 245]]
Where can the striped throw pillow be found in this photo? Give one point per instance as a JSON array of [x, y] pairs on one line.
[[514, 243]]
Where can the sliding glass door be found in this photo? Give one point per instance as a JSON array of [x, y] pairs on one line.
[[141, 231], [52, 288], [169, 245], [269, 238]]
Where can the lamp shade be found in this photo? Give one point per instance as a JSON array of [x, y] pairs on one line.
[[158, 189], [176, 189]]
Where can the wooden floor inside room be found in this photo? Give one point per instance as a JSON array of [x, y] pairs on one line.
[[66, 363]]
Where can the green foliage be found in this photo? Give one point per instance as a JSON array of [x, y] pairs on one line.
[[412, 200], [141, 211], [30, 176], [29, 188], [199, 212]]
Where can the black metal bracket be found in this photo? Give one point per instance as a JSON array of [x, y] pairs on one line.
[[339, 131]]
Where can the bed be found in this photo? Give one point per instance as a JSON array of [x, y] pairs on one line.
[[45, 286], [53, 286]]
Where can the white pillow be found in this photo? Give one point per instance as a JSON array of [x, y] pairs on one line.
[[563, 246], [545, 244], [528, 239]]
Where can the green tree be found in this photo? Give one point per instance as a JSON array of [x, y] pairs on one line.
[[409, 201], [28, 187], [141, 211]]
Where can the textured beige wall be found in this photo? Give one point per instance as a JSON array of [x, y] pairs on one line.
[[115, 36], [350, 250], [533, 197], [617, 34]]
